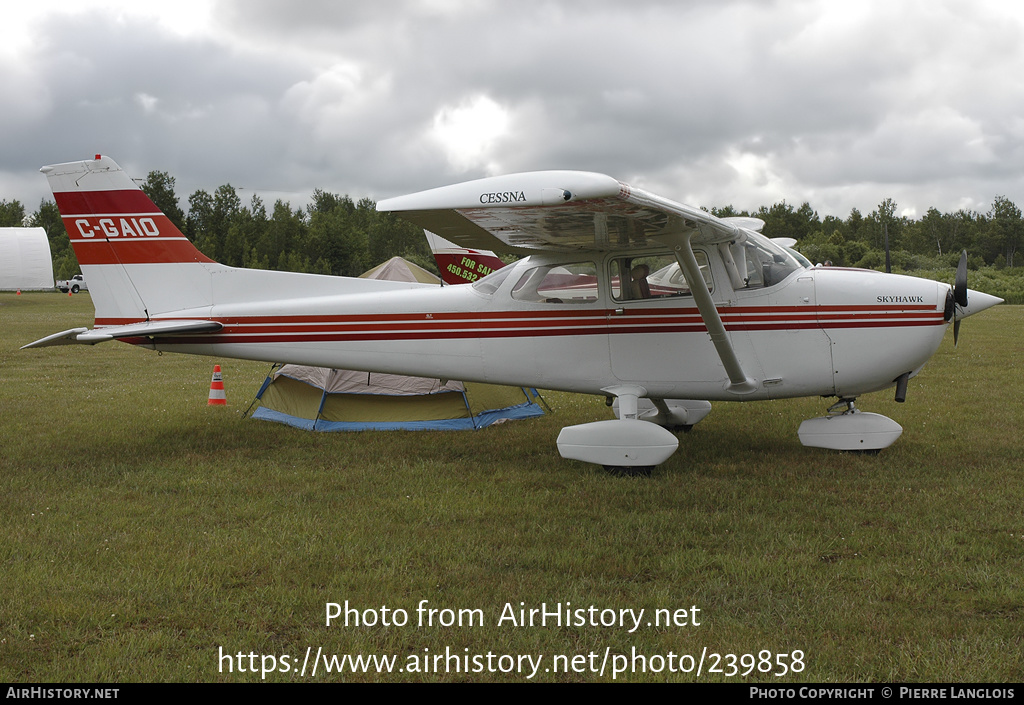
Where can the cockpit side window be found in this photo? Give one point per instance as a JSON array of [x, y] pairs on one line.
[[572, 283], [654, 277]]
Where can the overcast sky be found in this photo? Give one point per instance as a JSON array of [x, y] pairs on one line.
[[712, 102]]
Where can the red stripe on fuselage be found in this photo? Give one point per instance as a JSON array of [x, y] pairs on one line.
[[524, 324], [774, 312]]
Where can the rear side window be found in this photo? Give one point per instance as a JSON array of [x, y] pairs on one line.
[[573, 283], [654, 277]]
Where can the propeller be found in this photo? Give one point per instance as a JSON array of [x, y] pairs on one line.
[[956, 299]]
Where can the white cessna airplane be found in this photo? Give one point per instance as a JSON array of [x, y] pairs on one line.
[[625, 294]]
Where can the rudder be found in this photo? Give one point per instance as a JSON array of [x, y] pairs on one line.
[[136, 261]]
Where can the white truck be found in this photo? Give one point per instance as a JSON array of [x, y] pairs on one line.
[[74, 284]]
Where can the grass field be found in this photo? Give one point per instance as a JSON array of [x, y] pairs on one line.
[[144, 534]]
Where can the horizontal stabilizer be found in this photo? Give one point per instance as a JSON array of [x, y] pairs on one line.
[[65, 337], [146, 329]]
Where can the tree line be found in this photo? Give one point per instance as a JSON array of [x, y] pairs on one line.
[[932, 241], [335, 235]]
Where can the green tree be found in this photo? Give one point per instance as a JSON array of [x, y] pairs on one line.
[[235, 243], [1006, 227], [12, 214], [200, 218], [928, 234], [889, 225], [257, 209], [854, 252], [159, 186], [337, 233], [964, 227], [728, 211], [781, 220], [389, 235], [209, 221], [283, 232], [48, 218], [887, 228], [854, 226]]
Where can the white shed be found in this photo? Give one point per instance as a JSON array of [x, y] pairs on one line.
[[25, 261]]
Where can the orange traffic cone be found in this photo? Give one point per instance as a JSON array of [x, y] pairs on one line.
[[19, 292], [217, 395]]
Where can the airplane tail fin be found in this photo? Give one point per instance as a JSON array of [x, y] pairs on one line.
[[129, 251], [148, 281], [461, 265]]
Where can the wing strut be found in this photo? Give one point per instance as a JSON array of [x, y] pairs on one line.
[[740, 383]]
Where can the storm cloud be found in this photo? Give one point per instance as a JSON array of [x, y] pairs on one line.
[[712, 103]]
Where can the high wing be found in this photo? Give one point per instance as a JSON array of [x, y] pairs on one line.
[[147, 329], [577, 210], [560, 211]]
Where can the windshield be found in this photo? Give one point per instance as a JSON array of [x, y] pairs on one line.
[[757, 262], [806, 263]]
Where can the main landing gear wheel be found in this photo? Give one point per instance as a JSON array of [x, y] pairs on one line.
[[629, 470]]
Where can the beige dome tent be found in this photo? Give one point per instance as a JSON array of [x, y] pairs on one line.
[[323, 399]]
